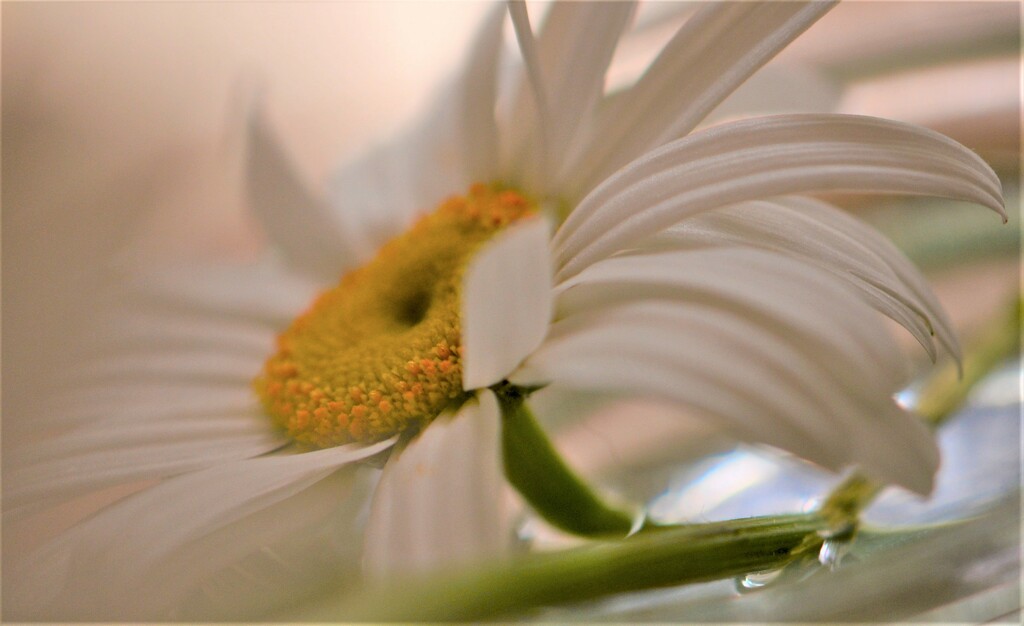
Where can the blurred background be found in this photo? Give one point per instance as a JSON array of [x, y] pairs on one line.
[[122, 137]]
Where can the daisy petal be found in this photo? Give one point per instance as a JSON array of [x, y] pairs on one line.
[[534, 131], [776, 350], [264, 292], [298, 222], [717, 49], [574, 50], [179, 344], [183, 364], [379, 194], [103, 568], [774, 226], [304, 546], [506, 303], [749, 381], [129, 387], [156, 331], [896, 260], [766, 157], [780, 291], [440, 502], [478, 90], [141, 401], [112, 453]]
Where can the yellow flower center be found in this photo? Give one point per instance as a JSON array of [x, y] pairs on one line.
[[379, 353]]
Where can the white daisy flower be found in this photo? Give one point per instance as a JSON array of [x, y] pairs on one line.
[[684, 266]]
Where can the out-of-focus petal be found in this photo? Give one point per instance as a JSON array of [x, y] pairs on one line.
[[576, 47], [177, 342], [112, 452], [765, 157], [506, 303], [297, 221], [305, 545], [478, 90], [451, 146], [102, 569], [264, 292], [440, 503]]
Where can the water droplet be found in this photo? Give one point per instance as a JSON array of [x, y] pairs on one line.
[[756, 580], [836, 544], [832, 552]]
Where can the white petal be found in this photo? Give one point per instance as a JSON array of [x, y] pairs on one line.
[[770, 287], [182, 340], [304, 546], [147, 382], [440, 503], [534, 130], [712, 54], [478, 89], [765, 157], [378, 195], [780, 351], [774, 226], [138, 401], [301, 224], [574, 50], [165, 331], [264, 292], [103, 568], [506, 303], [113, 452], [182, 365], [755, 385], [886, 250]]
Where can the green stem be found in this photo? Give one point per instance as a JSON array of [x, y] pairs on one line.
[[673, 556], [536, 470]]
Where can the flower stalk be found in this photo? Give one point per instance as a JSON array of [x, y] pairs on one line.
[[535, 469], [674, 556]]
